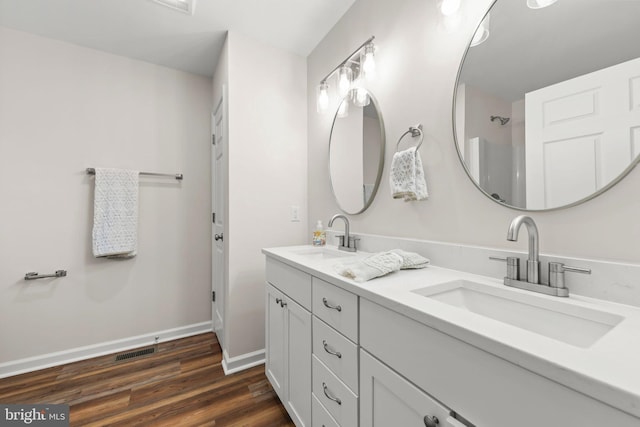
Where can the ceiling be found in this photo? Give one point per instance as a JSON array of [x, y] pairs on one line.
[[145, 30]]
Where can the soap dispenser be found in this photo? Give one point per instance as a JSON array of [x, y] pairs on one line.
[[319, 235]]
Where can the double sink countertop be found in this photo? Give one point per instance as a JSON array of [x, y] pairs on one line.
[[589, 345]]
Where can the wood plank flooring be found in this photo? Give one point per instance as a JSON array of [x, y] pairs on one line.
[[182, 384]]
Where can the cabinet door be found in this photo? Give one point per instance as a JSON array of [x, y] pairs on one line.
[[275, 341], [387, 399], [298, 363]]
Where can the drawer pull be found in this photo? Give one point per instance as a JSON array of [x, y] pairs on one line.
[[431, 421], [328, 350], [278, 300], [326, 393], [283, 304], [334, 307]]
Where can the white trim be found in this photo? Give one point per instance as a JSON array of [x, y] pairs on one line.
[[35, 363], [231, 365]]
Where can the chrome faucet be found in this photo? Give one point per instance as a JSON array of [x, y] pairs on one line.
[[533, 263], [347, 243], [556, 284]]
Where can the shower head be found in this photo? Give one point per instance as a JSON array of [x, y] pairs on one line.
[[503, 120]]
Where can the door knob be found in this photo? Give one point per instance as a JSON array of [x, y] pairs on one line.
[[219, 237]]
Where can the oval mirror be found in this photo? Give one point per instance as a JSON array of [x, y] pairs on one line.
[[547, 107], [356, 151]]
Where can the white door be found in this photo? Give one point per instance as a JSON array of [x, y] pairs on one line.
[[218, 176], [275, 341], [581, 134], [387, 399]]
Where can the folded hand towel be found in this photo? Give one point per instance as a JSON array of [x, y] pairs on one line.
[[407, 178], [115, 213], [411, 260], [371, 267]]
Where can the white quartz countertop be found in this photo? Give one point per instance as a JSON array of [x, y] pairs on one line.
[[608, 370]]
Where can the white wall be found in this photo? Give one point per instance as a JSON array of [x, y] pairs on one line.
[[267, 175], [64, 108], [417, 66]]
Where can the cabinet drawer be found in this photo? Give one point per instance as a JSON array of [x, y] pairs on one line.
[[294, 283], [344, 364], [336, 307], [321, 418], [336, 397]]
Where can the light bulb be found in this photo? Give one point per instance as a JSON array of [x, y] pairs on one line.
[[482, 33], [360, 97], [344, 80], [368, 61], [343, 109], [449, 7], [322, 97], [539, 4]]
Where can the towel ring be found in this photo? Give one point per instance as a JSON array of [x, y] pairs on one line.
[[414, 131]]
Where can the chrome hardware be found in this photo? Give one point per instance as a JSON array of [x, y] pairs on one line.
[[556, 273], [219, 237], [539, 287], [335, 399], [431, 421], [332, 352], [333, 307], [533, 262], [347, 243], [178, 176], [513, 266], [33, 275]]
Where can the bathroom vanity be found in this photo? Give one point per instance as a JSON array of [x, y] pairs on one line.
[[440, 347]]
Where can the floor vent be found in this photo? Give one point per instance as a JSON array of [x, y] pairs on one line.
[[134, 354]]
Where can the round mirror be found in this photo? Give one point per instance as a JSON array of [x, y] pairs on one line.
[[547, 102], [356, 151]]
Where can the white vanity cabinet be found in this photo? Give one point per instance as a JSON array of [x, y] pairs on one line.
[[482, 388], [387, 399], [288, 338]]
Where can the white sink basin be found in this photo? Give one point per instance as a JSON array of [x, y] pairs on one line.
[[554, 318], [322, 253]]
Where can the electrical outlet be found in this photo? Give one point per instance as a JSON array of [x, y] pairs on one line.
[[295, 214]]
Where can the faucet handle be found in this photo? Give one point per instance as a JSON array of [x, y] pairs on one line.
[[556, 273], [513, 266], [353, 242]]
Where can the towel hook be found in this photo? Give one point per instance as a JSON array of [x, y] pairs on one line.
[[414, 131]]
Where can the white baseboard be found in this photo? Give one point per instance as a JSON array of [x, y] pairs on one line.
[[36, 363], [231, 365]]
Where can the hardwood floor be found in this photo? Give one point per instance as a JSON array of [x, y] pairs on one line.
[[182, 384]]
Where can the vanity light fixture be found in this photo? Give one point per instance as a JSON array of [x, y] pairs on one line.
[[360, 97], [482, 33], [539, 4], [345, 76], [343, 109], [360, 65], [186, 6]]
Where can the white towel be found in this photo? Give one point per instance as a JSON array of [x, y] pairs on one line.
[[371, 267], [115, 213], [407, 178], [411, 260]]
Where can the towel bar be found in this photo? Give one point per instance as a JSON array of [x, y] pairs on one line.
[[178, 176], [32, 275], [414, 131]]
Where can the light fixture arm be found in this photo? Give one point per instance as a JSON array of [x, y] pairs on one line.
[[349, 58]]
